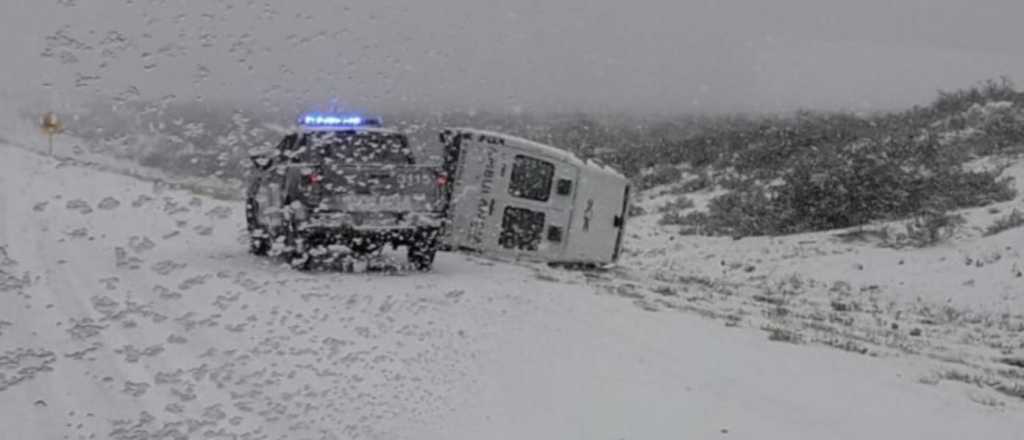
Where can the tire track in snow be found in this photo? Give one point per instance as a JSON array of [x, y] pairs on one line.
[[799, 317]]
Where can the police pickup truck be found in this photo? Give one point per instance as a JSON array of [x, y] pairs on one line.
[[343, 185]]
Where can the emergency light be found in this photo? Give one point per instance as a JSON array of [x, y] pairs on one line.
[[329, 120]]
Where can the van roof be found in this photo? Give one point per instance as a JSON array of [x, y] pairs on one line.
[[538, 147]]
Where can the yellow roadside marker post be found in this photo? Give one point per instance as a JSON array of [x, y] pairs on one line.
[[51, 126]]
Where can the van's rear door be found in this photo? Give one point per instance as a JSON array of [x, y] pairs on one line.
[[537, 205]]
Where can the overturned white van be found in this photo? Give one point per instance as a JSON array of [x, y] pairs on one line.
[[516, 198]]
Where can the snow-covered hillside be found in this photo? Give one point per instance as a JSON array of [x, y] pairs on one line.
[[959, 303], [132, 311]]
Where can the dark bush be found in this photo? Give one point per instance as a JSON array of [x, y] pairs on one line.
[[694, 223], [635, 211], [854, 184], [933, 227], [701, 182], [672, 212], [958, 101], [1001, 132], [681, 203], [1012, 220], [742, 213], [661, 175]]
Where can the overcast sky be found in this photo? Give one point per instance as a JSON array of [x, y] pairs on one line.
[[527, 55]]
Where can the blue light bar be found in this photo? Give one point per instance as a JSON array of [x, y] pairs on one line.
[[329, 120]]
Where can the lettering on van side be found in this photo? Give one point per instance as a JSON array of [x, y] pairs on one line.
[[479, 223]]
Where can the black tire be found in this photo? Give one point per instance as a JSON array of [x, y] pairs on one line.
[[422, 252], [260, 238], [421, 259], [297, 253], [259, 245]]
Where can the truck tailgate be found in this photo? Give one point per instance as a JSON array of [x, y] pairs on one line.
[[397, 189]]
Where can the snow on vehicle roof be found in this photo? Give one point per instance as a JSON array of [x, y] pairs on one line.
[[548, 150]]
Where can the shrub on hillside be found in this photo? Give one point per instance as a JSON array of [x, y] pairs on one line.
[[681, 203], [693, 223], [636, 211], [853, 184], [773, 147], [701, 182], [958, 101], [1012, 220], [1001, 130], [660, 175], [672, 212], [933, 227], [925, 229], [741, 213]]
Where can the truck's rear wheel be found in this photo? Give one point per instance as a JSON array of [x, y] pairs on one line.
[[259, 235], [421, 259], [422, 252], [296, 249], [259, 245]]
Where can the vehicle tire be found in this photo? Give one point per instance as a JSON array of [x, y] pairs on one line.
[[260, 238], [421, 253], [296, 255]]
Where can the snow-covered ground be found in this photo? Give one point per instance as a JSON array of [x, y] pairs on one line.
[[959, 303], [132, 311]]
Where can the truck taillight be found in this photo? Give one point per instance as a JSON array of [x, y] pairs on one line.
[[315, 178]]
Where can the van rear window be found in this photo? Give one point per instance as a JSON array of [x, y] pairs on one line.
[[531, 178], [521, 229]]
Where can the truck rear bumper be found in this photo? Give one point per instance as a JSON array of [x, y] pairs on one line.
[[342, 234], [373, 221], [344, 229]]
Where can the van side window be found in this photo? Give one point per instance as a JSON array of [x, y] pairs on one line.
[[521, 229], [531, 179], [564, 187]]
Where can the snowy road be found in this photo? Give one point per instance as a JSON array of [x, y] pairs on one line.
[[133, 312]]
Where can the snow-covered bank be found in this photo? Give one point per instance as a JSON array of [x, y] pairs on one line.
[[133, 311], [958, 303]]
